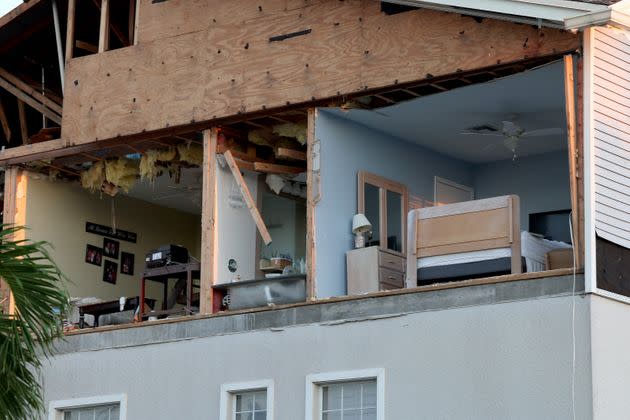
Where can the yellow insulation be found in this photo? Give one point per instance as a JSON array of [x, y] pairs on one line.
[[121, 172], [190, 153], [295, 131], [93, 178]]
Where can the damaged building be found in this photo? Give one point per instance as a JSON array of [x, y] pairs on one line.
[[262, 208]]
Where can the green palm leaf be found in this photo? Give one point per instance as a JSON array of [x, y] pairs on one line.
[[38, 294]]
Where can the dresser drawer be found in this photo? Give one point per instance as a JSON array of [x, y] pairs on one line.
[[390, 279], [391, 262]]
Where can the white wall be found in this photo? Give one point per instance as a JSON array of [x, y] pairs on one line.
[[347, 148], [501, 361], [541, 182], [57, 212], [237, 232]]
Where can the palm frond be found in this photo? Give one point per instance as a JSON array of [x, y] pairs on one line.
[[39, 297]]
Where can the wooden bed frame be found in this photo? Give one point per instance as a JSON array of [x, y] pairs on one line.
[[463, 227]]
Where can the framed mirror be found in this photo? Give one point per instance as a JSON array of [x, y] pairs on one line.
[[384, 202]]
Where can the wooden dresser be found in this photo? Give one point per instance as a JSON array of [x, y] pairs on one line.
[[373, 268]]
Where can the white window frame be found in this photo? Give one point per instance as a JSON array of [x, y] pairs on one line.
[[439, 180], [56, 408], [313, 406], [228, 391]]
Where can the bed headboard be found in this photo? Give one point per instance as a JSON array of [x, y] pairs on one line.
[[463, 227]]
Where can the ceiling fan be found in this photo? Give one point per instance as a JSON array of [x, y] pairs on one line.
[[511, 132]]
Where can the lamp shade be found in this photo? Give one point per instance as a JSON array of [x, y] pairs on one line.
[[360, 224]]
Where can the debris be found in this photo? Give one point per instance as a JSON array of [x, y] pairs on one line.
[[291, 130], [93, 178], [190, 153], [121, 172], [275, 182]]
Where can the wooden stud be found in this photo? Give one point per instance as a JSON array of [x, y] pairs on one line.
[[208, 221], [28, 90], [86, 46], [311, 193], [132, 21], [30, 101], [103, 36], [569, 92], [247, 196], [271, 168], [70, 30], [23, 122], [284, 153], [112, 27], [5, 123]]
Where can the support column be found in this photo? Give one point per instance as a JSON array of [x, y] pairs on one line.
[[208, 221]]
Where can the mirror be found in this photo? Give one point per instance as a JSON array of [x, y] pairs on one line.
[[384, 202]]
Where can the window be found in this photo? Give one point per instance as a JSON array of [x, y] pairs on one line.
[[349, 400], [98, 412], [247, 401], [353, 395], [110, 407]]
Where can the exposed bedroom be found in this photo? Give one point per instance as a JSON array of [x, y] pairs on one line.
[[485, 168]]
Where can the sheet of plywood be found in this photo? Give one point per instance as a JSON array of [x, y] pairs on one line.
[[233, 68]]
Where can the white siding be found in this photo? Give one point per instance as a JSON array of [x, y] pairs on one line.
[[611, 133]]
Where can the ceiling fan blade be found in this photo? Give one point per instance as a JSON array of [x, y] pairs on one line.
[[551, 131]]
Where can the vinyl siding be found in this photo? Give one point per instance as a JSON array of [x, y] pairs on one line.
[[611, 134]]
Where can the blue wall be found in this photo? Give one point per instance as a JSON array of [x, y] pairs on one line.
[[541, 182], [346, 148]]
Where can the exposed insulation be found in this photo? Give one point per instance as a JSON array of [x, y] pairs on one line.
[[261, 137], [121, 172], [93, 178], [190, 153], [149, 168], [296, 131]]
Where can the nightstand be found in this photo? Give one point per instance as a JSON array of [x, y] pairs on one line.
[[373, 268]]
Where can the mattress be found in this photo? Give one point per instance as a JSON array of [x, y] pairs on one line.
[[464, 257], [465, 271]]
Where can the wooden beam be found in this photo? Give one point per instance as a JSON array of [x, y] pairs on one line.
[[30, 101], [312, 195], [245, 165], [209, 242], [23, 121], [132, 21], [70, 30], [86, 46], [5, 123], [103, 33], [29, 90], [284, 153], [569, 93], [270, 168], [247, 196], [112, 27]]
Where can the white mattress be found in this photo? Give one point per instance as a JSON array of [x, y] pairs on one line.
[[464, 257], [533, 248]]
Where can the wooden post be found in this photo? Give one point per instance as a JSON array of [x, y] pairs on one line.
[[103, 37], [5, 123], [312, 195], [70, 30], [132, 21], [208, 221], [247, 196], [23, 124], [569, 92], [14, 213]]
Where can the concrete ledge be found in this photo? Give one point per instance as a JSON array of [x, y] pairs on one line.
[[325, 313]]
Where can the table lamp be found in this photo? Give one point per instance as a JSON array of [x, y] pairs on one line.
[[360, 225]]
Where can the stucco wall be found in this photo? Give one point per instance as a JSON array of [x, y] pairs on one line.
[[493, 361], [611, 358], [347, 148], [57, 212]]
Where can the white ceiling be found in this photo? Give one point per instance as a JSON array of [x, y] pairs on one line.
[[535, 98], [185, 196]]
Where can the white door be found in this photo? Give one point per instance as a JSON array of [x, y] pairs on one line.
[[447, 192]]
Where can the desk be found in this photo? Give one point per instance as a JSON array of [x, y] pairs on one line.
[[188, 271], [109, 307]]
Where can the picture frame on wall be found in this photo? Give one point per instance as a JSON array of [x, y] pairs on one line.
[[110, 271], [93, 255], [111, 248], [127, 263]]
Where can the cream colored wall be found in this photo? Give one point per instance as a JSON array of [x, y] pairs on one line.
[[57, 211]]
